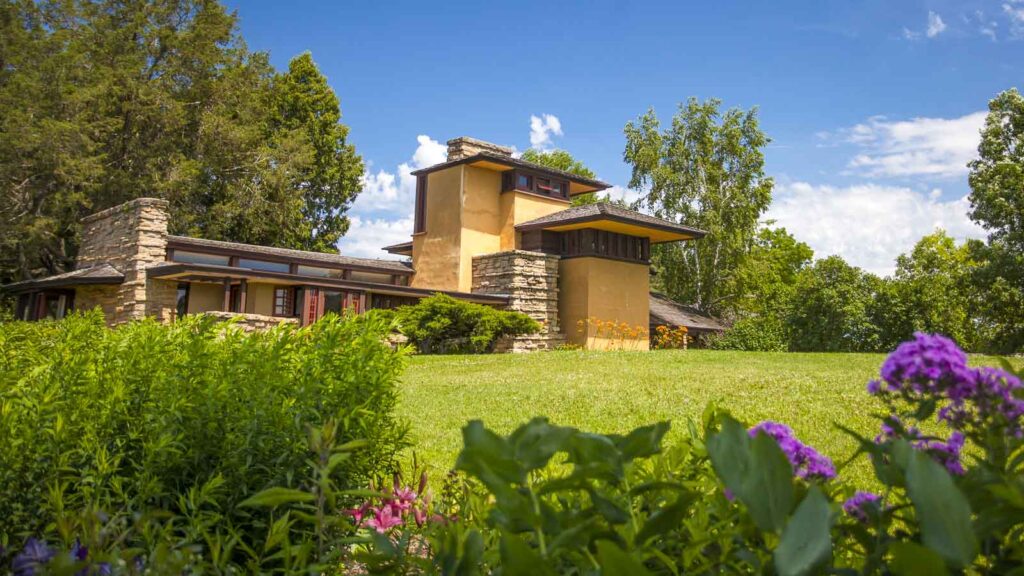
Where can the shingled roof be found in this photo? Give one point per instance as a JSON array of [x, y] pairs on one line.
[[606, 211], [517, 163], [98, 274], [664, 311], [185, 242]]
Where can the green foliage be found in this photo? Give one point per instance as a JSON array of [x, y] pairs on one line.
[[997, 203], [442, 324], [754, 333], [832, 309], [153, 435], [705, 170], [766, 280], [103, 101]]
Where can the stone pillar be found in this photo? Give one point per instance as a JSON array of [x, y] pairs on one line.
[[530, 280], [464, 147], [130, 237]]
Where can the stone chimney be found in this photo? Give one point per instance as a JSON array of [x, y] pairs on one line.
[[464, 147], [131, 237]]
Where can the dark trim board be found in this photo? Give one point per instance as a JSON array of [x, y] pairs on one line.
[[254, 252], [597, 185], [214, 273]]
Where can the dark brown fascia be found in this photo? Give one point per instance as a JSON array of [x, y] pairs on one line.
[[515, 163], [28, 285], [174, 244], [401, 248], [678, 229], [170, 268]]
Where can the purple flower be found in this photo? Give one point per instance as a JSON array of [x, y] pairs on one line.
[[945, 453], [807, 462], [32, 558], [927, 365], [858, 505], [992, 398]]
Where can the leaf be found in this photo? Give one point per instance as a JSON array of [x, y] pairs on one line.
[[806, 543], [664, 519], [611, 511], [519, 559], [489, 457], [729, 450], [641, 442], [768, 489], [535, 442], [942, 510], [276, 496], [912, 559], [615, 562]]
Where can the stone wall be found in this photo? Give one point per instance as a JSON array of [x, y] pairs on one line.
[[464, 147], [131, 237], [103, 296], [251, 322], [530, 280]]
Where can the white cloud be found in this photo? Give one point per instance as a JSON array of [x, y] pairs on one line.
[[385, 191], [935, 25], [910, 34], [922, 147], [541, 130], [1014, 10], [366, 237], [869, 225], [621, 193]]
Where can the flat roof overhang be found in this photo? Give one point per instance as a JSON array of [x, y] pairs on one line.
[[577, 184], [655, 233], [216, 274], [400, 249], [103, 274]]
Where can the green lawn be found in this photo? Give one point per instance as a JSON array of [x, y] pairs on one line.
[[617, 391]]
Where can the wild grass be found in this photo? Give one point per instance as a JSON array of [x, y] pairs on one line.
[[614, 392]]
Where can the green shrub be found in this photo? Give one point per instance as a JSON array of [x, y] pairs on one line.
[[442, 324], [756, 333], [152, 423]]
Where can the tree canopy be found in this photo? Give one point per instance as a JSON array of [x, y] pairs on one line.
[[704, 170], [104, 101]]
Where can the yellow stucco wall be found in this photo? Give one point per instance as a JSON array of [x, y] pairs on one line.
[[205, 297], [605, 290], [481, 219], [259, 299], [518, 207], [436, 252]]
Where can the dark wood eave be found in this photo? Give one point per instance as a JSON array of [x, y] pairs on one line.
[[511, 162], [97, 275], [288, 256], [402, 248], [214, 273], [606, 212]]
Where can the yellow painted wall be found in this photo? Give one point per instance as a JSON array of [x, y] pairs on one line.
[[605, 290], [205, 297], [481, 219], [518, 207], [259, 299], [436, 252]]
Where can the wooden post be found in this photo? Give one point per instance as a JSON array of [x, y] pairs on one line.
[[227, 295], [241, 299]]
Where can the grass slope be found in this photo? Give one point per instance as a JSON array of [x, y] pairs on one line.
[[617, 391]]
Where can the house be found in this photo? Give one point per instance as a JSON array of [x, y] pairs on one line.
[[488, 228]]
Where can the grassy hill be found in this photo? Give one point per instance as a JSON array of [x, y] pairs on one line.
[[617, 391]]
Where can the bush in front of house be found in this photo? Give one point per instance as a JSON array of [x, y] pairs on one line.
[[752, 334], [441, 324], [148, 443], [733, 498]]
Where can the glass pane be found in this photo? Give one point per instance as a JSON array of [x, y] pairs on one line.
[[523, 182], [182, 303], [263, 265], [321, 272], [333, 301], [200, 258]]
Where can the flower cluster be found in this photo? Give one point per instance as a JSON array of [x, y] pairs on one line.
[[396, 509], [807, 462], [946, 453], [858, 505], [37, 554], [932, 368]]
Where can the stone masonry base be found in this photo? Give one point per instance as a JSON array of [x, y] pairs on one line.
[[530, 280]]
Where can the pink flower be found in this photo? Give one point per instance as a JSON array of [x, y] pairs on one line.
[[383, 519], [357, 514]]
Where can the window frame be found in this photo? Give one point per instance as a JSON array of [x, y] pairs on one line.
[[510, 183]]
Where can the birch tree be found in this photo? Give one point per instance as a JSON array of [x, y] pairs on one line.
[[704, 170]]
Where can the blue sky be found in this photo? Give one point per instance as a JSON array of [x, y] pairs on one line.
[[873, 107]]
